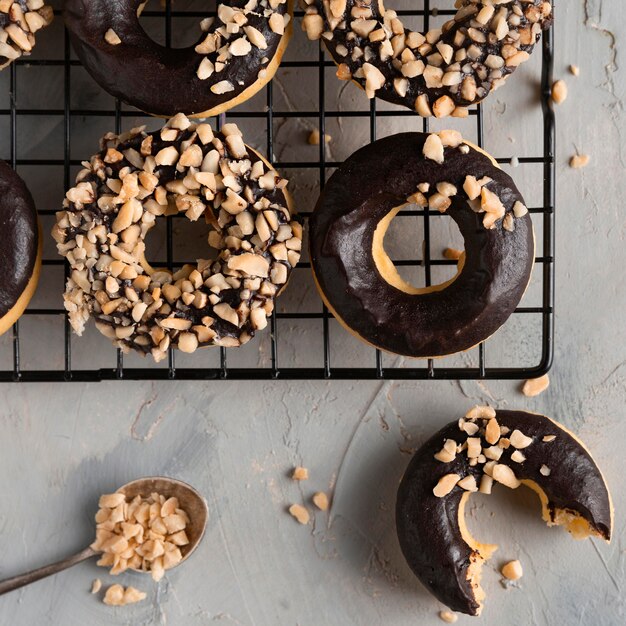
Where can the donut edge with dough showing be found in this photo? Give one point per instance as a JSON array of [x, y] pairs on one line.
[[17, 310]]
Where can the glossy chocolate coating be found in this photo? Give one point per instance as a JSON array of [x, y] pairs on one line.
[[360, 193], [155, 79], [20, 237], [428, 526]]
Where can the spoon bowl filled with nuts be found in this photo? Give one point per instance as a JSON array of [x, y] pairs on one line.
[[149, 525]]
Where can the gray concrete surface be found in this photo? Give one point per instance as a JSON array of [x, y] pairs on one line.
[[61, 446]]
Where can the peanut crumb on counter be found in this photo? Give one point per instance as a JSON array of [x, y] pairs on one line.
[[534, 386], [320, 500], [116, 595], [299, 513], [448, 617], [96, 585], [574, 70], [559, 92], [579, 161], [300, 473], [314, 138], [512, 570]]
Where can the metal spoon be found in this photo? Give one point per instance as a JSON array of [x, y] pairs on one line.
[[190, 501]]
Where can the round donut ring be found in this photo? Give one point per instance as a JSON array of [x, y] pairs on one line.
[[183, 168], [440, 72], [20, 254], [360, 283], [468, 455], [19, 21], [238, 53]]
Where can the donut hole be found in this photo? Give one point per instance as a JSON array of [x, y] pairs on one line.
[[401, 258], [189, 243], [185, 31]]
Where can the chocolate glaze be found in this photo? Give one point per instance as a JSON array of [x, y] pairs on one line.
[[155, 79], [359, 194], [20, 237], [428, 526]]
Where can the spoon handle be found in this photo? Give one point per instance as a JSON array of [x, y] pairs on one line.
[[37, 574]]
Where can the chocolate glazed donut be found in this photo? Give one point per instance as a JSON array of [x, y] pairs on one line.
[[20, 253], [238, 53], [468, 455], [358, 280]]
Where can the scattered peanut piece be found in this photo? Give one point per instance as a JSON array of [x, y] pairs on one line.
[[96, 585], [534, 386], [452, 254], [433, 148], [518, 457], [116, 595], [505, 476], [544, 470], [320, 500], [492, 431], [519, 440], [299, 513], [112, 37], [559, 92], [512, 570], [579, 161], [300, 473], [574, 70], [314, 138], [468, 483], [448, 617], [478, 412], [445, 485]]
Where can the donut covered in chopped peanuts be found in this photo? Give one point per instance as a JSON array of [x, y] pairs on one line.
[[182, 168], [440, 72]]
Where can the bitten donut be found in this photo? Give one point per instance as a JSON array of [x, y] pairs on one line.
[[20, 253], [183, 168], [468, 455], [237, 54], [359, 282], [19, 21], [440, 72]]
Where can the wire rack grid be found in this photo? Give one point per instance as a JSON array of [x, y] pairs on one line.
[[273, 367]]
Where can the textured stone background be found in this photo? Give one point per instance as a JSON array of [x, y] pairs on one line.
[[61, 446]]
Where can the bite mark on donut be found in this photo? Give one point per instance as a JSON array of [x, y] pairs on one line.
[[573, 514]]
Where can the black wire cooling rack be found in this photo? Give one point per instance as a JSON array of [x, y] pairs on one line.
[[372, 364]]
